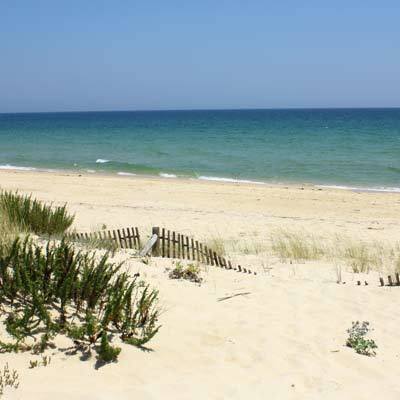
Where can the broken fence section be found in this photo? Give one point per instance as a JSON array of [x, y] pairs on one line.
[[126, 238], [162, 243], [390, 280], [170, 244]]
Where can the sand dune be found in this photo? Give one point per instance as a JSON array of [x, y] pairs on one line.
[[278, 335]]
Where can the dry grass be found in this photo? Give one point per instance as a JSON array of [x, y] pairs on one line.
[[296, 246], [299, 246], [217, 244], [8, 231], [363, 257]]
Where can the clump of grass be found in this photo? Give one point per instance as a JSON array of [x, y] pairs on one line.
[[59, 290], [296, 246], [357, 340], [8, 232], [250, 246], [26, 213], [217, 244], [8, 378], [360, 257], [190, 272]]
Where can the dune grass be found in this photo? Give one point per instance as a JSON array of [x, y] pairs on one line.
[[217, 244], [300, 246], [296, 246], [363, 257], [28, 214]]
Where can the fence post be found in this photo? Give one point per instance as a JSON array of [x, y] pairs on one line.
[[156, 248]]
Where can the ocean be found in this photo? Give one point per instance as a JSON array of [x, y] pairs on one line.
[[349, 148]]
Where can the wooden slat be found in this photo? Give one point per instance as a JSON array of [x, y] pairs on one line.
[[163, 242], [129, 238], [201, 253], [169, 244], [117, 242], [126, 238], [173, 244], [137, 237], [123, 238], [187, 248], [397, 279], [148, 246], [136, 241], [193, 249], [211, 257], [156, 248], [390, 280], [207, 254], [182, 247], [198, 251], [120, 238]]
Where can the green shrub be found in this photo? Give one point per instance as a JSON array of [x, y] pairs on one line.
[[45, 292], [107, 353], [34, 216], [357, 340]]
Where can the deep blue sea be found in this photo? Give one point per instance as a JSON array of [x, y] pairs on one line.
[[342, 147]]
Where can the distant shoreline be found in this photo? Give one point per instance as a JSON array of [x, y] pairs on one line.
[[201, 179]]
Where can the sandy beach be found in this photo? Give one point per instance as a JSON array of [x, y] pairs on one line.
[[279, 334]]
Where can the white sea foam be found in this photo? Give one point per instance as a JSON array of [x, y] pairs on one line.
[[362, 189], [13, 167], [102, 161], [91, 171], [216, 178], [125, 173], [165, 175]]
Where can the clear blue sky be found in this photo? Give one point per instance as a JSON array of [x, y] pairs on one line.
[[126, 55]]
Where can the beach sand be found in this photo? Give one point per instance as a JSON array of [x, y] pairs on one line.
[[279, 334]]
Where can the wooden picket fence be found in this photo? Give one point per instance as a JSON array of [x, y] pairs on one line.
[[171, 244], [163, 243], [126, 238]]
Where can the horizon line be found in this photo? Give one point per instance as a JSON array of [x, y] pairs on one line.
[[202, 109]]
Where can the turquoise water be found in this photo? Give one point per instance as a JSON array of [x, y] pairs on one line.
[[349, 147]]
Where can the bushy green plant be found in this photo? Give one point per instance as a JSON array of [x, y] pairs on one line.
[[190, 272], [107, 353], [33, 215], [357, 340], [45, 292]]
